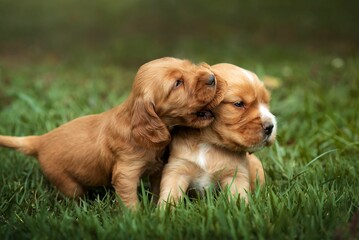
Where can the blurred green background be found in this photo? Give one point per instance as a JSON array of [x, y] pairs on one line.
[[131, 32], [60, 59]]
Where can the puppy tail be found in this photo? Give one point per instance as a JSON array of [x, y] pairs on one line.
[[27, 145]]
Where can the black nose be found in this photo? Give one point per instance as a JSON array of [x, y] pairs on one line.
[[268, 128], [211, 81]]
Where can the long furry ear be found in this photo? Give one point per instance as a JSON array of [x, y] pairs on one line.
[[220, 91], [147, 128]]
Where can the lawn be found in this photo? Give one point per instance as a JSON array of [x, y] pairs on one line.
[[312, 171]]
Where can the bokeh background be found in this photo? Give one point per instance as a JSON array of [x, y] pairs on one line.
[[61, 59], [131, 32]]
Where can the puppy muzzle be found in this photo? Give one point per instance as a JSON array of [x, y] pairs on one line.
[[211, 81]]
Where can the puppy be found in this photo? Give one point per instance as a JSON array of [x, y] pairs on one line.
[[120, 145], [220, 152]]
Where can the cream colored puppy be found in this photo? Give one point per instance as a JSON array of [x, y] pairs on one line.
[[220, 152]]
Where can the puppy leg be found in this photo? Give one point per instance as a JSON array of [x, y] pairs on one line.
[[125, 179], [68, 186], [237, 183], [256, 172], [176, 177]]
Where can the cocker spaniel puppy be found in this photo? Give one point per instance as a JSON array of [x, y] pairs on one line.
[[120, 145], [220, 153]]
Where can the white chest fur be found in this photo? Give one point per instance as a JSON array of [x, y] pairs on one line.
[[201, 159], [204, 179]]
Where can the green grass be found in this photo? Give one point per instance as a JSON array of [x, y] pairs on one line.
[[64, 59], [312, 171]]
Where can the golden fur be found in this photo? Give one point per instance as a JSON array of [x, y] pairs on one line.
[[120, 145], [221, 152]]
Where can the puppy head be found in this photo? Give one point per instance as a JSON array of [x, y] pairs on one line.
[[243, 121], [170, 92]]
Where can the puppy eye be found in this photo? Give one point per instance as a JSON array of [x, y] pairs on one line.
[[178, 83], [239, 104]]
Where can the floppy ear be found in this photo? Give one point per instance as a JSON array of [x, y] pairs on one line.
[[148, 130], [220, 91]]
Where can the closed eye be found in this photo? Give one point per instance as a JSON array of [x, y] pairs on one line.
[[178, 83], [239, 104]]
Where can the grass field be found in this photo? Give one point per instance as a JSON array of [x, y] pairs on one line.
[[49, 76], [312, 171]]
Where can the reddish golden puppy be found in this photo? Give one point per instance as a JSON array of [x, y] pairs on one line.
[[220, 152], [120, 145]]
